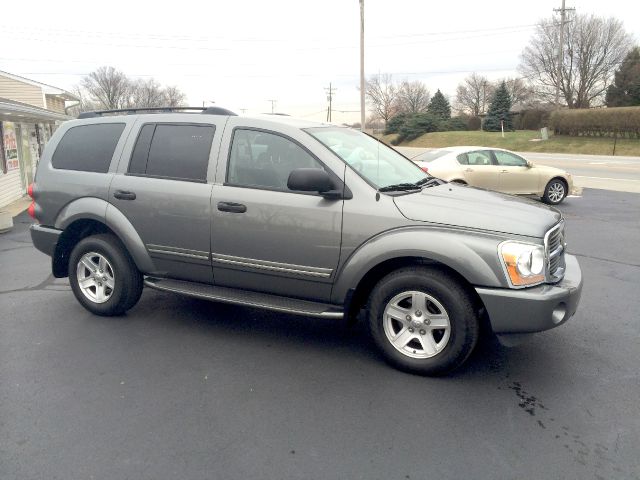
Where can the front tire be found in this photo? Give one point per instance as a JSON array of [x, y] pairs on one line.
[[423, 321], [555, 191], [103, 276]]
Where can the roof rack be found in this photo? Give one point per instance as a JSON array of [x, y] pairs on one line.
[[131, 111]]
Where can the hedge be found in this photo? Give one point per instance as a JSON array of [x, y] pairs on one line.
[[600, 122], [531, 119], [411, 126]]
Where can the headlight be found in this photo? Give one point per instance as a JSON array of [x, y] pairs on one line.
[[523, 262]]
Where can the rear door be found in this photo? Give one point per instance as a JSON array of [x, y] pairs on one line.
[[162, 189], [479, 169], [515, 176]]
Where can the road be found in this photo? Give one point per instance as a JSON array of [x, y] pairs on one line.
[[589, 171], [185, 389]]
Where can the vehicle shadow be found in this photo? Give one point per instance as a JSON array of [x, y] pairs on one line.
[[323, 337]]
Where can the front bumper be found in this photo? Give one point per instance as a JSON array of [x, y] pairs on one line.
[[537, 308], [45, 239]]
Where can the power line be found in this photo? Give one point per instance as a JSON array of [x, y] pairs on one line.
[[312, 75], [53, 32], [511, 27], [49, 40]]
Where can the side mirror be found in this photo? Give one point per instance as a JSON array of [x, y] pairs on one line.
[[529, 164], [310, 180]]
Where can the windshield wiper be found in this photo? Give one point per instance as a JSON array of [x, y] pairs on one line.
[[425, 182], [429, 181], [401, 187]]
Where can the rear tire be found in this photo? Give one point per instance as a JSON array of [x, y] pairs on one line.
[[555, 191], [423, 321], [103, 276]]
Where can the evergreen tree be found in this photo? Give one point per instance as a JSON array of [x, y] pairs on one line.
[[625, 90], [439, 106], [499, 111]]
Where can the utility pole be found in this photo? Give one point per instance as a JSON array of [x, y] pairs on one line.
[[563, 20], [330, 92], [273, 105], [362, 111]]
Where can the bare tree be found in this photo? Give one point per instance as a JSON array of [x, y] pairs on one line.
[[413, 97], [107, 87], [85, 103], [146, 94], [593, 48], [519, 91], [174, 97], [474, 94], [382, 95]]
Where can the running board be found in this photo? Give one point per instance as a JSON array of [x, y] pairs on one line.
[[246, 298]]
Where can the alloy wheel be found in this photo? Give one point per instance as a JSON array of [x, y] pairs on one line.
[[416, 324], [95, 277]]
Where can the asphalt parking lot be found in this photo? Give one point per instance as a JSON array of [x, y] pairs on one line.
[[182, 388]]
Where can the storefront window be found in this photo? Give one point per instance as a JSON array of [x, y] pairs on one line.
[[3, 160]]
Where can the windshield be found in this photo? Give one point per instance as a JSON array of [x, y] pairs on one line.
[[378, 164]]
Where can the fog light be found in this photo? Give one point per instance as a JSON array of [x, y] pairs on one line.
[[559, 313]]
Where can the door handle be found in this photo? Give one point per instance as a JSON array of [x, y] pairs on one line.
[[232, 207], [469, 170], [504, 171], [123, 195]]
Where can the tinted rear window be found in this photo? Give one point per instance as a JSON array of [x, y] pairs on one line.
[[140, 153], [173, 151], [88, 148]]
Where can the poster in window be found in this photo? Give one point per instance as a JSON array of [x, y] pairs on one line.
[[10, 146]]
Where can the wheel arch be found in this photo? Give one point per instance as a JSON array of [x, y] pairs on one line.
[[463, 255], [92, 216], [558, 177], [358, 297]]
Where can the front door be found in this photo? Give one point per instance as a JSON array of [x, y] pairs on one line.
[[163, 192], [515, 175], [266, 237]]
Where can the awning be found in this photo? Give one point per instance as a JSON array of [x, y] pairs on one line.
[[12, 111]]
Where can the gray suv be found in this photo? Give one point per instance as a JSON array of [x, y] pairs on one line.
[[298, 217]]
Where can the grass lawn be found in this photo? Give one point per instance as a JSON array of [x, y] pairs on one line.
[[521, 141]]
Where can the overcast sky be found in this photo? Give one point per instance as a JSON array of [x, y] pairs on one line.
[[240, 54]]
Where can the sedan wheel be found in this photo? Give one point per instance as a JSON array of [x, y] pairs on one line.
[[555, 192]]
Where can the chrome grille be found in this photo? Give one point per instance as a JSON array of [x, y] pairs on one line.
[[554, 246]]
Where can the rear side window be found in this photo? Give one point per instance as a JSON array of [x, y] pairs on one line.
[[172, 151], [140, 153], [88, 148]]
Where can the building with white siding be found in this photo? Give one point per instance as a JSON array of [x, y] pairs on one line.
[[30, 111]]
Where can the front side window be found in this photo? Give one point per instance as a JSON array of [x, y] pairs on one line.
[[88, 148], [264, 160], [508, 159], [380, 165], [173, 151]]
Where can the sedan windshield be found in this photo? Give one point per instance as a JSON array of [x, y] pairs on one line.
[[381, 166]]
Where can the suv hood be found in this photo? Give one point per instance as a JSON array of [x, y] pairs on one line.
[[463, 206]]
